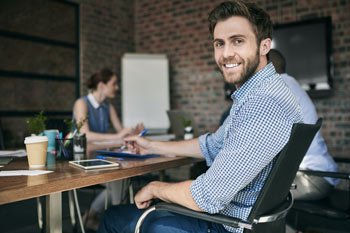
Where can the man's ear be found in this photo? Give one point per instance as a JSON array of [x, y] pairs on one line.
[[265, 46]]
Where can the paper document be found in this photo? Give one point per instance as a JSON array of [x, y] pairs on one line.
[[108, 142], [23, 172], [13, 153]]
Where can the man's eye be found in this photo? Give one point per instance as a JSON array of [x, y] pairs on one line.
[[238, 41], [218, 44]]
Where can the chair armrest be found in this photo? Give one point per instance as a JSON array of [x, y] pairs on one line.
[[339, 175], [217, 218], [228, 220], [280, 213]]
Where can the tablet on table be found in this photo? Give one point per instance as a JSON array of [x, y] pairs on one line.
[[94, 163]]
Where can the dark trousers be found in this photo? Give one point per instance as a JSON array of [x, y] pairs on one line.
[[123, 218]]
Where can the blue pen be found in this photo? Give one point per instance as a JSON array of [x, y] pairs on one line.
[[140, 135]]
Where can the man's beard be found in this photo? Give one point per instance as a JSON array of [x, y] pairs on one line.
[[250, 68]]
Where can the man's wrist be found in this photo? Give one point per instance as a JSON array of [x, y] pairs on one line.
[[154, 189], [153, 147]]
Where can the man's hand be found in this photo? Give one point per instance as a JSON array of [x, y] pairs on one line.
[[178, 193], [144, 197], [138, 145], [143, 146]]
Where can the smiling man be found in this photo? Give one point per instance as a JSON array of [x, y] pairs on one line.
[[241, 153], [237, 53]]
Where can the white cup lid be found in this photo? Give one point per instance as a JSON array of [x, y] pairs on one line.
[[35, 139]]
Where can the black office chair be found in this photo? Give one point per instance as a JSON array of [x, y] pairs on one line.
[[274, 201], [331, 214]]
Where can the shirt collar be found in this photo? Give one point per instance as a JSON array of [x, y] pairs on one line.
[[93, 101], [253, 81]]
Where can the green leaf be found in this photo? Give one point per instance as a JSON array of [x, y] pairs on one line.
[[185, 122], [37, 124]]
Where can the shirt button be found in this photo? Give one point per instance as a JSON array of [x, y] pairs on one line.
[[209, 231]]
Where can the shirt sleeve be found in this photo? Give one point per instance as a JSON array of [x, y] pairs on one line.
[[210, 143], [256, 133]]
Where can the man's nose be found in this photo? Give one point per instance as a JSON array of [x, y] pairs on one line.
[[229, 51]]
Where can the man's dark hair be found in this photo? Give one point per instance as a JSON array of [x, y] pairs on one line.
[[258, 18], [278, 61]]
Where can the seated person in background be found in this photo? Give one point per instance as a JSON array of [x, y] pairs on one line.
[[317, 157], [241, 153], [103, 85]]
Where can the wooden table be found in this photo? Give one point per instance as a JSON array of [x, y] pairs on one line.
[[67, 177]]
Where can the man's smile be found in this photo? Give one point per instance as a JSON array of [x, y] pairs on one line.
[[231, 65]]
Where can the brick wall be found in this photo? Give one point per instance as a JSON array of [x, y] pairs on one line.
[[106, 33], [179, 29], [51, 20], [334, 110]]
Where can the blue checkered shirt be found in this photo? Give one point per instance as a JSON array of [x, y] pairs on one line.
[[241, 152]]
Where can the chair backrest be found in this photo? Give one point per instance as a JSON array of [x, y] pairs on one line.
[[282, 174]]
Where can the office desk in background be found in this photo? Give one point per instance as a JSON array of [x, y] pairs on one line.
[[67, 177]]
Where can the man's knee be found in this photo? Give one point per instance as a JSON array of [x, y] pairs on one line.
[[120, 218], [110, 214], [106, 221]]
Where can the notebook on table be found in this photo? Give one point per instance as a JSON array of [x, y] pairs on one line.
[[124, 154]]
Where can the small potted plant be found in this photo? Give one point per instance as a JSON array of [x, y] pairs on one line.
[[37, 124], [79, 139], [36, 143], [188, 130]]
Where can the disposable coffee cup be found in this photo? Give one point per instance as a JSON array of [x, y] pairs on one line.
[[36, 150]]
